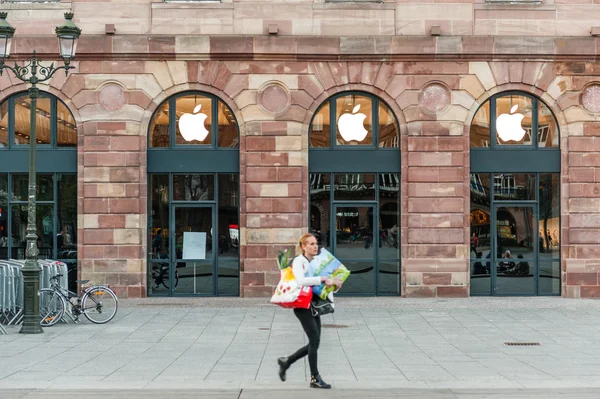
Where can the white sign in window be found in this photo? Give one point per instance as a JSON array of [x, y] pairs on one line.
[[194, 245]]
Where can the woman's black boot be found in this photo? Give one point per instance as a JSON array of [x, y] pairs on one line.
[[317, 382], [283, 366]]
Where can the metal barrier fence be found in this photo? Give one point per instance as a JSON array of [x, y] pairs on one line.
[[11, 287]]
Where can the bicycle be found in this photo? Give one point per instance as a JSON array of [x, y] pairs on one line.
[[98, 303]]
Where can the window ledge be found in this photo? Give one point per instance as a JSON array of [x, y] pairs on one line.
[[191, 5], [31, 5], [515, 6], [359, 5]]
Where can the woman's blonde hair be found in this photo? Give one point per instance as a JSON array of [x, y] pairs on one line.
[[303, 240]]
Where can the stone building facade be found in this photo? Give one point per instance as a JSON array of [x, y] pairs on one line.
[[273, 64]]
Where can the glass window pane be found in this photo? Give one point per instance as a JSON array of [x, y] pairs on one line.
[[514, 227], [159, 216], [22, 118], [514, 120], [4, 124], [515, 277], [388, 128], [480, 127], [44, 191], [514, 186], [195, 272], [3, 216], [320, 128], [228, 282], [389, 278], [194, 187], [44, 227], [361, 279], [320, 204], [549, 277], [480, 215], [354, 232], [66, 239], [228, 129], [354, 186], [481, 281], [66, 129], [159, 127], [389, 216], [549, 216], [193, 115], [354, 120], [548, 136]]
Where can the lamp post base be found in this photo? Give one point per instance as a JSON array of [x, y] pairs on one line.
[[31, 301]]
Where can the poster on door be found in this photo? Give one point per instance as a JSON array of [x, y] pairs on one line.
[[194, 245]]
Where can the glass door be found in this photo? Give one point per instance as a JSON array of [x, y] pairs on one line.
[[355, 244], [515, 255], [192, 267]]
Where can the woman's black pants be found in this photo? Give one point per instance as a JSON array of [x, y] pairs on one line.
[[312, 327]]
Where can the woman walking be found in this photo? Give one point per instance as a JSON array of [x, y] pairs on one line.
[[311, 324]]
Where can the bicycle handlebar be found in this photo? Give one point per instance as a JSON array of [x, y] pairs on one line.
[[56, 277]]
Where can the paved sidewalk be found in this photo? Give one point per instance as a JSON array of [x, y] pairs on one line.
[[370, 343]]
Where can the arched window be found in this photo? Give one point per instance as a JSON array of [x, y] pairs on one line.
[[515, 197], [354, 166], [56, 167], [193, 194]]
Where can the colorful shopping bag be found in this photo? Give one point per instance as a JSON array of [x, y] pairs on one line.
[[325, 264], [290, 294]]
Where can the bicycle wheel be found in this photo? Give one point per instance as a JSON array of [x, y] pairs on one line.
[[164, 278], [99, 304], [52, 307]]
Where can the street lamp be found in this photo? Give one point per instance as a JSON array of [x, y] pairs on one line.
[[33, 73]]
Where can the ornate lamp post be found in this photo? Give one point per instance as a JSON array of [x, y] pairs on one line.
[[33, 73]]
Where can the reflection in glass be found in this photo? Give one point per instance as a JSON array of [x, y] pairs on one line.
[[549, 215], [480, 275], [354, 186], [388, 129], [159, 127], [549, 277], [229, 233], [319, 129], [548, 136], [66, 128], [389, 278], [515, 276], [3, 216], [354, 116], [66, 238], [44, 227], [22, 119], [509, 124], [389, 216], [194, 265], [354, 232], [319, 208], [44, 188], [159, 219], [514, 229], [4, 124], [361, 279], [480, 127], [228, 128], [194, 187], [193, 114], [514, 186]]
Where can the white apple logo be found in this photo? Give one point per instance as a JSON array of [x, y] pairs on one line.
[[509, 126], [351, 126], [192, 126]]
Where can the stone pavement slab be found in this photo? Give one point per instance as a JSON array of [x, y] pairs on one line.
[[303, 393], [368, 343]]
